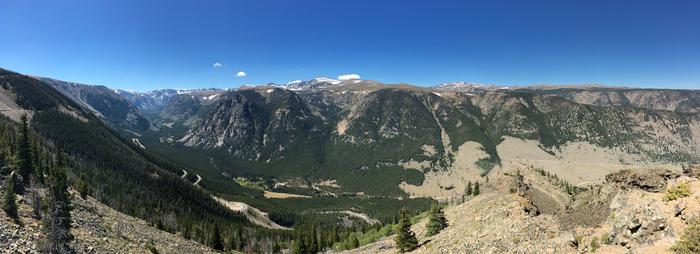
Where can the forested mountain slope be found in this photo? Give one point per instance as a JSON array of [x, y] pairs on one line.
[[104, 103], [117, 172]]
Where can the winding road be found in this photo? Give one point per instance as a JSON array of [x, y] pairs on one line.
[[253, 214], [199, 178], [196, 182]]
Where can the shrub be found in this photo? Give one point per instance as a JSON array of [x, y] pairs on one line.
[[594, 244], [578, 240], [151, 248], [690, 240], [83, 189], [681, 190]]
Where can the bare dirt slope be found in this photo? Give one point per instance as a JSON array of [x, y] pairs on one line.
[[451, 182], [9, 107], [253, 214], [579, 163]]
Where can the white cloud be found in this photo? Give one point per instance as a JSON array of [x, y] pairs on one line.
[[217, 65], [240, 74], [348, 76]]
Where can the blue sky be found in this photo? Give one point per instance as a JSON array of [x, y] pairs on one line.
[[144, 45]]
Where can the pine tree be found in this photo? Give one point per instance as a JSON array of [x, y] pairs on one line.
[[25, 151], [299, 246], [313, 242], [469, 189], [276, 248], [216, 242], [185, 229], [58, 219], [321, 240], [8, 201], [239, 241], [476, 189], [405, 238], [333, 237], [17, 184], [38, 169], [437, 221], [35, 201], [355, 243]]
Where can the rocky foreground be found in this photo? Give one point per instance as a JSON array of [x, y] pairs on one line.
[[97, 229], [527, 211]]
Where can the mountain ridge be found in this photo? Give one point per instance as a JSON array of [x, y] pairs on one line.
[[355, 118]]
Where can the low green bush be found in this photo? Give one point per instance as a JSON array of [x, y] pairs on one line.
[[680, 190]]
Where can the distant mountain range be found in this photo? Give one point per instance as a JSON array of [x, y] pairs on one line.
[[355, 130], [352, 130]]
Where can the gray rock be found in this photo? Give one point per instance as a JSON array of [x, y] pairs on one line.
[[642, 225]]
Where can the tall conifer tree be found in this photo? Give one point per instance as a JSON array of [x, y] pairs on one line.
[[437, 221], [405, 238], [58, 219], [25, 151], [9, 204]]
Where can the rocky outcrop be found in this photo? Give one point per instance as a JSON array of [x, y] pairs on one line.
[[643, 224], [603, 219], [589, 208], [653, 180]]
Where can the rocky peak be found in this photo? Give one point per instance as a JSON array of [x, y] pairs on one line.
[[255, 123]]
